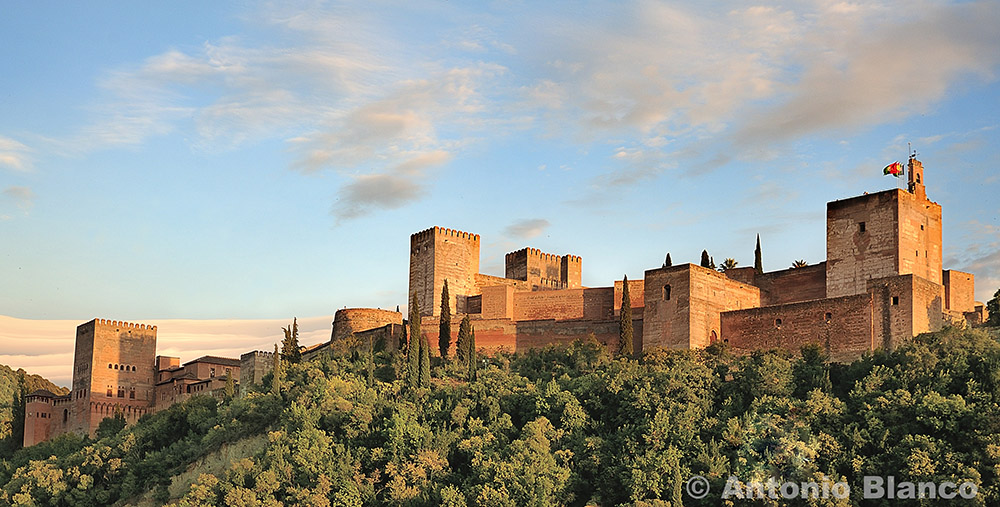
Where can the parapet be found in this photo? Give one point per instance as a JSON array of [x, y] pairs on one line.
[[441, 231], [256, 353], [122, 324], [536, 253]]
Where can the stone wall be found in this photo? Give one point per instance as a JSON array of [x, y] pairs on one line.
[[842, 326], [253, 366], [905, 306], [564, 304], [353, 320], [959, 291], [543, 271], [919, 237], [792, 285], [861, 241]]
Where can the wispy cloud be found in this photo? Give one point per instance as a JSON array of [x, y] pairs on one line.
[[22, 197], [527, 228], [375, 191], [14, 155]]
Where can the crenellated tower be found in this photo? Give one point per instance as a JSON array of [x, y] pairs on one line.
[[438, 254], [543, 270], [113, 372]]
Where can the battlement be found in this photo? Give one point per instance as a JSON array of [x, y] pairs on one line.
[[538, 254], [122, 324], [441, 231], [256, 353]]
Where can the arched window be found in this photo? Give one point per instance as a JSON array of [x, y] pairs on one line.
[[713, 338], [666, 292]]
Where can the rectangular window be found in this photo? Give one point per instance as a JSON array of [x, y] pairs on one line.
[[895, 300], [861, 227], [211, 372]]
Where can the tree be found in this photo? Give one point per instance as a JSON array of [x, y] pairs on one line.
[[18, 403], [711, 263], [230, 387], [473, 359], [413, 345], [758, 266], [728, 264], [799, 264], [276, 372], [667, 262], [462, 345], [290, 345], [625, 341], [111, 426], [425, 363], [993, 307], [444, 330], [705, 261]]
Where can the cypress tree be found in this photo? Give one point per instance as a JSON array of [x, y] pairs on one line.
[[425, 363], [230, 387], [711, 262], [757, 265], [705, 261], [462, 345], [667, 262], [625, 346], [276, 373], [18, 405], [290, 345], [444, 330], [413, 346], [473, 360]]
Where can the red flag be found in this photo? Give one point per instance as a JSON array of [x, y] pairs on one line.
[[895, 169]]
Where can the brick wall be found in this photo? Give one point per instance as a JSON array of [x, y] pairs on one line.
[[498, 302], [253, 366], [843, 326], [636, 295], [904, 306], [596, 303]]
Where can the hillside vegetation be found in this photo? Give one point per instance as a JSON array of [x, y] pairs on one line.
[[556, 426]]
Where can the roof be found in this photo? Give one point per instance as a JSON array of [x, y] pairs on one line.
[[225, 361], [42, 392]]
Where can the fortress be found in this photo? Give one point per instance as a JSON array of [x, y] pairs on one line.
[[881, 284]]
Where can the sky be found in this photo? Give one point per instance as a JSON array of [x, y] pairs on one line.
[[249, 162]]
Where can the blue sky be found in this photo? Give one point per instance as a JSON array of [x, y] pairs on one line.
[[245, 160]]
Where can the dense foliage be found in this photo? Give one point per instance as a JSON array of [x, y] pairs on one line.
[[555, 426]]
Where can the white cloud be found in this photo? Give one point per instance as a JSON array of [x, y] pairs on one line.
[[370, 192], [14, 155], [527, 228]]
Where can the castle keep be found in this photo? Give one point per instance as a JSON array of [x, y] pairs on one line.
[[881, 284]]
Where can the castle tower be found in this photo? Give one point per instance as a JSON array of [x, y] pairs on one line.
[[889, 233], [542, 270], [438, 254], [113, 372]]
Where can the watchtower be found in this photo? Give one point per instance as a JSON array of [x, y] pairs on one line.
[[438, 254], [543, 270], [889, 233], [113, 373]]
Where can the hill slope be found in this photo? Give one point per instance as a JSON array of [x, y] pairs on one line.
[[558, 426]]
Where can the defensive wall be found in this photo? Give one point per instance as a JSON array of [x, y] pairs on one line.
[[353, 320]]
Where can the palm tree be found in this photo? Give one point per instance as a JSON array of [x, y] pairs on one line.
[[799, 264], [729, 263]]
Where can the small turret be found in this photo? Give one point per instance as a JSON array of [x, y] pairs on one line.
[[916, 179]]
